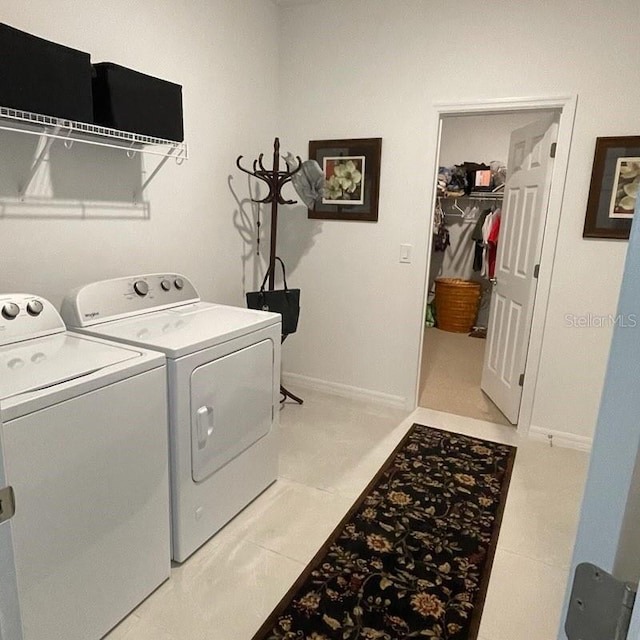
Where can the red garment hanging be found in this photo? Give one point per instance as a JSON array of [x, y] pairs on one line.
[[492, 241]]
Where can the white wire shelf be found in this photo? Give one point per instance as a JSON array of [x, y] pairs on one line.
[[50, 129], [486, 195], [70, 131]]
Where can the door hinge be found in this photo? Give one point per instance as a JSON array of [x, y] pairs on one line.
[[7, 504], [521, 380], [536, 271], [554, 148], [600, 605]]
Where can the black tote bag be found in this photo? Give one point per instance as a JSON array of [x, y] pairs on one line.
[[285, 301]]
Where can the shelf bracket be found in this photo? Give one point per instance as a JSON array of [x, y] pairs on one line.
[[48, 141], [137, 194]]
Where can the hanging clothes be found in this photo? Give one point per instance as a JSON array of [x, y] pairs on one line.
[[441, 238], [486, 228], [478, 241], [492, 240], [490, 231]]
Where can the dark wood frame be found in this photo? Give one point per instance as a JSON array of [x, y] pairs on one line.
[[371, 149], [597, 223]]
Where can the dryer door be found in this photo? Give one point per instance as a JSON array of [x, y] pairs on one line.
[[231, 406]]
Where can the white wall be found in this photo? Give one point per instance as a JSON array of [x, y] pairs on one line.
[[225, 54], [480, 138], [356, 68], [366, 68]]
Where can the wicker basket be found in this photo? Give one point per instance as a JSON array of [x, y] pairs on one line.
[[457, 304]]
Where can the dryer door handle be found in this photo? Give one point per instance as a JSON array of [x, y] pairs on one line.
[[204, 420]]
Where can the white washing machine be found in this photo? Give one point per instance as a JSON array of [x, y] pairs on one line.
[[10, 618], [85, 450], [223, 368]]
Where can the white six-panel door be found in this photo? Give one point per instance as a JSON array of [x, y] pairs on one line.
[[524, 210]]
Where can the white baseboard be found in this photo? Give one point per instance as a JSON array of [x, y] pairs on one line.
[[561, 438], [344, 390]]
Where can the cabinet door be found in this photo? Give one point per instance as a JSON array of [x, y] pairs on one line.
[[231, 406]]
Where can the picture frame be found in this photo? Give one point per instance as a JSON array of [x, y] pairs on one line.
[[615, 183], [352, 174]]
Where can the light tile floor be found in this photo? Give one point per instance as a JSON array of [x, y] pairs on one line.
[[331, 448]]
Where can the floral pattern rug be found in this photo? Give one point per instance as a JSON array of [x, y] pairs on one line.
[[412, 557]]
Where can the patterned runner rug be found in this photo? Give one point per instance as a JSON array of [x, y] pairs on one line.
[[412, 557]]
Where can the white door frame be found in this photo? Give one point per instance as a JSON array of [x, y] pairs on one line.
[[566, 105]]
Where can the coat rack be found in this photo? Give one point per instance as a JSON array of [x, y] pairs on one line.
[[275, 180]]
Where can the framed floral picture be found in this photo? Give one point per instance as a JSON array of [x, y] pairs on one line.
[[352, 178], [615, 182]]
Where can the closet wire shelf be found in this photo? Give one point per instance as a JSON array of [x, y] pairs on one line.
[[496, 194]]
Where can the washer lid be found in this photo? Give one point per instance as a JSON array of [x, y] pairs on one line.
[[42, 363], [186, 329]]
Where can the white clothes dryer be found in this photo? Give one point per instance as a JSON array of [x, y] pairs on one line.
[[85, 451], [223, 368]]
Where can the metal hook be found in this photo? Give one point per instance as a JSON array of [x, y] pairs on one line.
[[68, 141], [131, 152], [180, 158]]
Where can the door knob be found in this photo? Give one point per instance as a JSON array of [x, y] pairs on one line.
[[493, 281]]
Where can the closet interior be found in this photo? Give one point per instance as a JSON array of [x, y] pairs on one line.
[[467, 212]]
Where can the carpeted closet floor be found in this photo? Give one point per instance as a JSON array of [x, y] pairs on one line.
[[451, 374]]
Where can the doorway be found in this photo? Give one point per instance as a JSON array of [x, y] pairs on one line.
[[451, 362]]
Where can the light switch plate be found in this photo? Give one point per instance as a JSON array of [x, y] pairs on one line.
[[405, 253]]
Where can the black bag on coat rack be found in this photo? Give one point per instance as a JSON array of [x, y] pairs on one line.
[[285, 301]]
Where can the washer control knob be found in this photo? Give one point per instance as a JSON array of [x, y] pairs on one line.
[[34, 308], [179, 282], [141, 288], [166, 285], [10, 310]]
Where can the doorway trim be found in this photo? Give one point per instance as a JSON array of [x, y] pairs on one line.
[[566, 105]]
